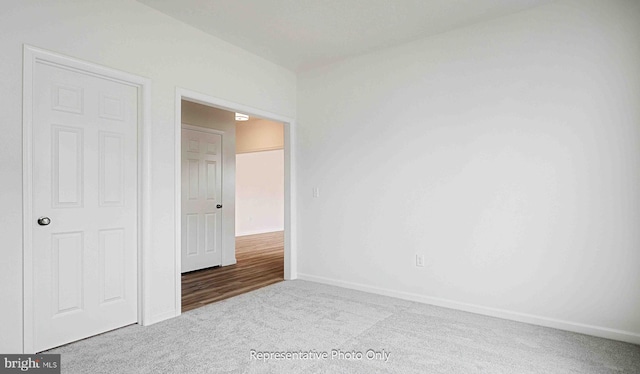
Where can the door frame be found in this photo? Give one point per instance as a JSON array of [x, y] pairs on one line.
[[33, 56], [290, 247], [186, 126]]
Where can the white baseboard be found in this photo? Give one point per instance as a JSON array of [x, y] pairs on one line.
[[230, 261], [256, 232], [598, 331], [161, 317]]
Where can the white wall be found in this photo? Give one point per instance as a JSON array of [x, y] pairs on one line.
[[259, 192], [125, 35], [259, 134], [508, 153]]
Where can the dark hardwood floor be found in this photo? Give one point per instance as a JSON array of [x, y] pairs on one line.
[[260, 262]]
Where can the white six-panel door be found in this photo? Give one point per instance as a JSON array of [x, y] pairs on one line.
[[201, 200], [85, 183]]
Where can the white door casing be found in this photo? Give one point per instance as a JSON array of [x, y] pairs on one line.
[[84, 159], [290, 192], [201, 199]]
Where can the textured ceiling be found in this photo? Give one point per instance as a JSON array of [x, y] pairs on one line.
[[302, 34]]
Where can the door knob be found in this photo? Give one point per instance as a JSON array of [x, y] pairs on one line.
[[44, 221], [219, 206]]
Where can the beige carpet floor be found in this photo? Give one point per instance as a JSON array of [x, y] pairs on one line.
[[245, 334]]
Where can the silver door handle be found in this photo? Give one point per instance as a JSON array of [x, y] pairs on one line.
[[44, 221]]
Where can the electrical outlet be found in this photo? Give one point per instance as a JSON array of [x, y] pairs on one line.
[[420, 260], [316, 192]]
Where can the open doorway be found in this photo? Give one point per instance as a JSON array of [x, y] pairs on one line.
[[260, 199], [251, 218]]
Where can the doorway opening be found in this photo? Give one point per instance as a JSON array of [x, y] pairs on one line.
[[255, 214]]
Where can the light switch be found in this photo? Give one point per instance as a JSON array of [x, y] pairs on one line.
[[419, 260]]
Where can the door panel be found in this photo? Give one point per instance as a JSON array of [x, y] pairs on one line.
[[67, 169], [210, 224], [85, 181], [201, 193], [112, 169], [112, 257], [211, 168], [66, 265]]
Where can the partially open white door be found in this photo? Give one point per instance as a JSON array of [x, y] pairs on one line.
[[84, 205], [201, 200]]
